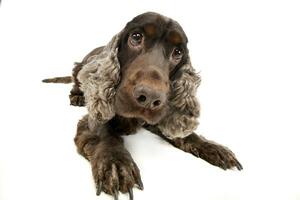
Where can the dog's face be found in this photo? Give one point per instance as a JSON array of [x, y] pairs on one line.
[[144, 72], [152, 47]]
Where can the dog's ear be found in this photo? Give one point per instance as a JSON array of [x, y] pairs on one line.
[[99, 79], [184, 107]]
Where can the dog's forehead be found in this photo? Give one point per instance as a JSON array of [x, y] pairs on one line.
[[147, 18], [150, 21]]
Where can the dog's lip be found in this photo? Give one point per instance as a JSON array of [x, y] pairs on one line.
[[149, 121], [148, 110]]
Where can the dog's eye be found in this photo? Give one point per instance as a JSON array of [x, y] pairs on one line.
[[136, 39], [177, 53]]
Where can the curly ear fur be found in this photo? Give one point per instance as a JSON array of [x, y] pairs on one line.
[[185, 109], [99, 79], [101, 75]]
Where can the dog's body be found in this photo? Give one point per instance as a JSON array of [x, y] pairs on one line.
[[142, 78]]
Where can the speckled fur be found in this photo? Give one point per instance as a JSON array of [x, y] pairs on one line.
[[185, 109], [97, 82], [99, 79]]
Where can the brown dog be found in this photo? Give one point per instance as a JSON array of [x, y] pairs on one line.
[[142, 78]]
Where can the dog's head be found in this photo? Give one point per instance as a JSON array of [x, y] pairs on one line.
[[145, 72]]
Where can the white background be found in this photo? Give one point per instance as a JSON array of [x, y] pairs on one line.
[[248, 53]]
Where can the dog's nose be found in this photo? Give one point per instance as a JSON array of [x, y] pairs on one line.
[[148, 97]]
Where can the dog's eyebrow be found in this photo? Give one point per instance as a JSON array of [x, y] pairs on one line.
[[150, 29], [175, 38]]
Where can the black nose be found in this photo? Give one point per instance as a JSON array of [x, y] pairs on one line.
[[148, 97]]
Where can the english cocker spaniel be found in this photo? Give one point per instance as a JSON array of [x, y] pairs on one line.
[[143, 78]]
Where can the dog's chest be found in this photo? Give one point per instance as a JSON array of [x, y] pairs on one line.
[[125, 126]]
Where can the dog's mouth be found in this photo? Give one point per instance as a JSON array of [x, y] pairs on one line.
[[152, 116], [126, 106]]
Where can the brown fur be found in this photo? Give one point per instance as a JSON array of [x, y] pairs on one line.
[[105, 81], [212, 152], [65, 80]]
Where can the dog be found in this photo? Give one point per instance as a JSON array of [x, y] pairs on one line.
[[143, 78]]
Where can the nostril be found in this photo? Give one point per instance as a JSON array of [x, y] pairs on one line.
[[141, 98], [156, 103]]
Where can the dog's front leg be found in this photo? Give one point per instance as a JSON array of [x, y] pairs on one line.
[[209, 151], [112, 165]]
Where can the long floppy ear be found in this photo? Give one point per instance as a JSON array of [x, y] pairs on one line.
[[184, 107], [99, 79]]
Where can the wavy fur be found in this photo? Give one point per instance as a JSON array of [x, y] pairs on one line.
[[101, 75], [99, 79], [185, 109]]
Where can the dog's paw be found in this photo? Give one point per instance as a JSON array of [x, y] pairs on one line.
[[77, 100], [114, 173], [216, 154]]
